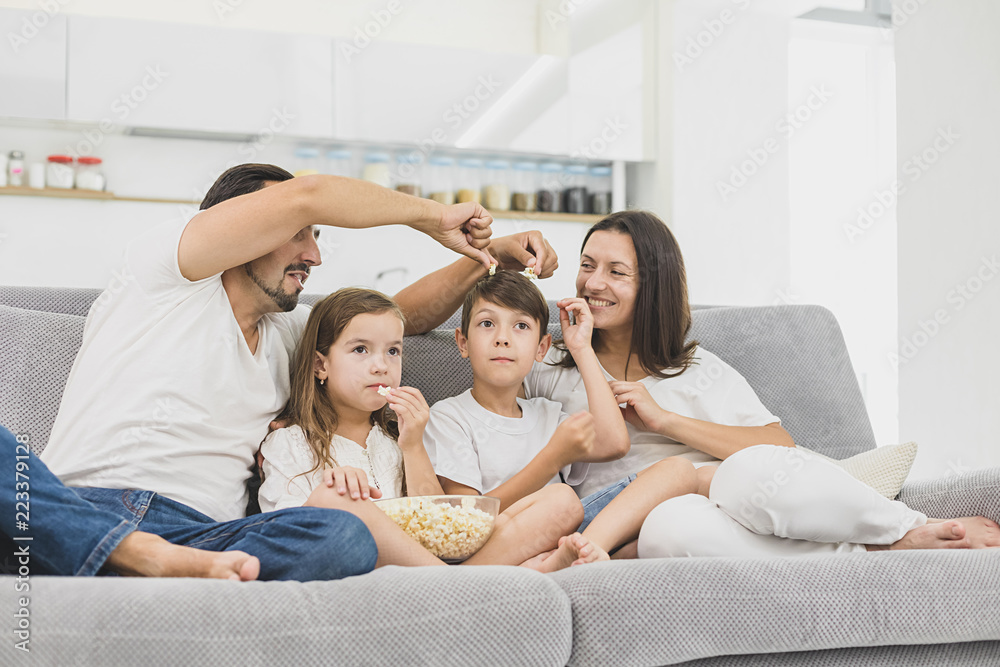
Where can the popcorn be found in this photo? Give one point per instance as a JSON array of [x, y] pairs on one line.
[[384, 390], [450, 533], [529, 273], [493, 269]]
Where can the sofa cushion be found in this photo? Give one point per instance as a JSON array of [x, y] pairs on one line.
[[796, 360], [37, 350], [667, 611], [884, 468], [65, 300], [393, 616]]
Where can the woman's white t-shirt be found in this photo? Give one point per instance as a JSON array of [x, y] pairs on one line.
[[710, 390], [288, 460]]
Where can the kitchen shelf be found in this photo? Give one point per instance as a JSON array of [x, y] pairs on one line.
[[58, 193]]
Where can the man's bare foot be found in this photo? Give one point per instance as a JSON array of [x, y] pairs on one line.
[[573, 549], [146, 555], [934, 535]]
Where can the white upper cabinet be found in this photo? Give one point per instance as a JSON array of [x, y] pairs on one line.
[[33, 64], [430, 97], [183, 77]]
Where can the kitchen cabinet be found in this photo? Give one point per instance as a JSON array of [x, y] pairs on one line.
[[197, 78], [430, 97], [33, 65]]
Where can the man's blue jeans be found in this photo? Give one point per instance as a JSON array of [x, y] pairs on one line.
[[73, 531]]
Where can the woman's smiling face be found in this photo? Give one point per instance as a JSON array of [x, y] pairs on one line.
[[609, 279]]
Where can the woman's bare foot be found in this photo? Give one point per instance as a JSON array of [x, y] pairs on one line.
[[934, 535], [573, 549], [146, 555], [982, 533]]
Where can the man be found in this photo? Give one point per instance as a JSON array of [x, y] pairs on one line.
[[180, 373]]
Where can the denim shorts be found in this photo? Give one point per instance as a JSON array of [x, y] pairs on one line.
[[598, 500]]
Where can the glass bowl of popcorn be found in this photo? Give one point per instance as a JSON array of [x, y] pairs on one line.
[[450, 527]]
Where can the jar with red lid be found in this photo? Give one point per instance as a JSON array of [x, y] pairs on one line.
[[59, 172], [89, 175]]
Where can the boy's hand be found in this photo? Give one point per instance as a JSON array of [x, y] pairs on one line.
[[577, 335], [641, 410], [350, 480], [575, 439], [412, 411]]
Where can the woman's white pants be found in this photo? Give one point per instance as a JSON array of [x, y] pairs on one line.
[[776, 501]]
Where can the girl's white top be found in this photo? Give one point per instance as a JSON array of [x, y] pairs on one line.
[[287, 455], [710, 390]]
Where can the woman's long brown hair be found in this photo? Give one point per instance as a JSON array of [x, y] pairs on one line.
[[308, 406], [662, 317]]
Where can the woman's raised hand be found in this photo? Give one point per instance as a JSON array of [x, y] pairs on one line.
[[412, 411], [641, 410], [346, 480], [577, 333]]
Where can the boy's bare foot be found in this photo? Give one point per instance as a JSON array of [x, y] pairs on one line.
[[146, 555], [573, 549]]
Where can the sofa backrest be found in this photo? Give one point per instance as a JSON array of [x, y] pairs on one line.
[[793, 356]]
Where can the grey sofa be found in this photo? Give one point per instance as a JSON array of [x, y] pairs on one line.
[[915, 608]]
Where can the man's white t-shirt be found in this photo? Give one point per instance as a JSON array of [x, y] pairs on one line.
[[470, 445], [164, 394], [710, 390]]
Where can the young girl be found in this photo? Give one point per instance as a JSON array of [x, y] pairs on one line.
[[342, 447]]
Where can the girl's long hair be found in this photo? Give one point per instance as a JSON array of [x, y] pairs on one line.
[[662, 318], [309, 406]]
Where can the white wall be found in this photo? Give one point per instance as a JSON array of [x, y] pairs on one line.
[[948, 70], [729, 64]]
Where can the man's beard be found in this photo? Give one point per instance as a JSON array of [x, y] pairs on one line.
[[286, 302]]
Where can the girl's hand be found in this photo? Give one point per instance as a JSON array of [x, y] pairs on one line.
[[350, 480], [577, 336], [412, 411], [641, 409]]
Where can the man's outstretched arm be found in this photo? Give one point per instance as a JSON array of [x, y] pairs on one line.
[[432, 299], [241, 229]]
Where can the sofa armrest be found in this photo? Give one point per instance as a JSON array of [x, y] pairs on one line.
[[969, 494]]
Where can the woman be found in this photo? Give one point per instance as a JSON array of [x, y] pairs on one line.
[[682, 400]]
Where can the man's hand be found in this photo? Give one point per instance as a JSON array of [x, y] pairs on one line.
[[524, 249], [464, 228]]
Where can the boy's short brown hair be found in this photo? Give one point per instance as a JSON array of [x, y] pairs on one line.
[[508, 289]]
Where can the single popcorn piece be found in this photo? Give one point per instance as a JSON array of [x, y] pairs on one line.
[[384, 390], [448, 532], [529, 273], [493, 269]]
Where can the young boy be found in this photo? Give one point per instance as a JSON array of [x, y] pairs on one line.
[[489, 441]]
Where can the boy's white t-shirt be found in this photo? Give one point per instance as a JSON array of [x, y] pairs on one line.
[[288, 463], [164, 394], [710, 390], [470, 445]]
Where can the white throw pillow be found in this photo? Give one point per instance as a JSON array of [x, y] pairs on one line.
[[883, 468]]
